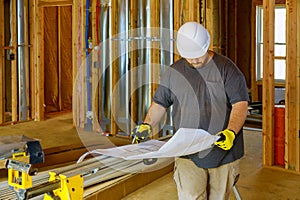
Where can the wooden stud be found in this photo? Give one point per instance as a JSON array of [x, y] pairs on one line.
[[133, 64], [268, 83], [59, 52], [298, 74], [95, 76], [2, 64], [155, 52], [291, 129], [39, 62], [32, 49], [75, 36], [115, 66], [47, 3], [177, 23], [83, 97], [254, 87]]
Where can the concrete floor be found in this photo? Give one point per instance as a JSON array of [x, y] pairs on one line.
[[255, 181]]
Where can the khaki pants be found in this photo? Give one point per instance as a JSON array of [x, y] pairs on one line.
[[198, 183]]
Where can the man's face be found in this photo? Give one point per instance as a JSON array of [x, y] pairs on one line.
[[198, 62]]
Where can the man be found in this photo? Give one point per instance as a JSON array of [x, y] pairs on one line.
[[207, 92]]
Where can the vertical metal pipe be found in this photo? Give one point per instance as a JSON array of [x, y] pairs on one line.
[[167, 47], [144, 57], [123, 112], [105, 86], [22, 39]]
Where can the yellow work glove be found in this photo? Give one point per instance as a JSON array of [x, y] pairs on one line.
[[226, 140], [141, 133]]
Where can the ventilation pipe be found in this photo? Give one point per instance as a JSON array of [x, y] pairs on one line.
[[105, 71], [123, 117], [23, 62], [167, 48], [144, 56]]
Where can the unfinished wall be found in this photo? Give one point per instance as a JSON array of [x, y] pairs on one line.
[[58, 58]]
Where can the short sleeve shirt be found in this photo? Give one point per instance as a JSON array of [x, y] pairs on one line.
[[202, 98]]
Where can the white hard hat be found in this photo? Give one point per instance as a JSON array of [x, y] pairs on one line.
[[192, 40]]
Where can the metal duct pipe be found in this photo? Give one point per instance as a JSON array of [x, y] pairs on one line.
[[144, 56], [123, 117], [23, 62], [105, 84], [167, 48]]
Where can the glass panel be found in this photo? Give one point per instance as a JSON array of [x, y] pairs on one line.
[[280, 23], [280, 50], [260, 64], [279, 71]]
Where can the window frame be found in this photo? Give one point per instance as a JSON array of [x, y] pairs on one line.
[[259, 45]]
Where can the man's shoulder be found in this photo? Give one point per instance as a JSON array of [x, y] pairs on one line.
[[179, 63]]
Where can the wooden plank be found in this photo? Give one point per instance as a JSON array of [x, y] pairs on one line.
[[155, 52], [75, 22], [95, 76], [115, 66], [291, 129], [268, 83], [133, 65], [298, 71], [14, 79], [119, 188], [47, 3], [254, 86], [39, 63], [177, 23], [83, 97], [2, 64], [59, 53]]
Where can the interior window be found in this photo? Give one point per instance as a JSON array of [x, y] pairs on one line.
[[280, 43]]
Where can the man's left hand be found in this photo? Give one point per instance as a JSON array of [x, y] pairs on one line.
[[226, 140]]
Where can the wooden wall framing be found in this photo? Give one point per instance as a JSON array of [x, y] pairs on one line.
[[2, 59], [268, 83], [292, 157], [183, 11]]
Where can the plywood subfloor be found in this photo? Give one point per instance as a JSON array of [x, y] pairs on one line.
[[255, 182]]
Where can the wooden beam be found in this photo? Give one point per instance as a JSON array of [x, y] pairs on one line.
[[155, 52], [82, 73], [39, 62], [298, 72], [291, 114], [95, 76], [2, 64], [268, 83], [115, 66], [254, 86], [133, 64], [75, 44], [59, 55], [178, 15], [32, 49], [47, 3], [121, 187]]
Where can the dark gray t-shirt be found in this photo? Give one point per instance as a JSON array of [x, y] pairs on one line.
[[202, 98]]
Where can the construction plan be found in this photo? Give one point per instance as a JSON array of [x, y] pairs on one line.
[[185, 141]]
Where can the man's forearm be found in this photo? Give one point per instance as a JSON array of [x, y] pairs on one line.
[[154, 114], [238, 116]]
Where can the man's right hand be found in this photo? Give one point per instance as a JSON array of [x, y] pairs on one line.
[[141, 133]]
